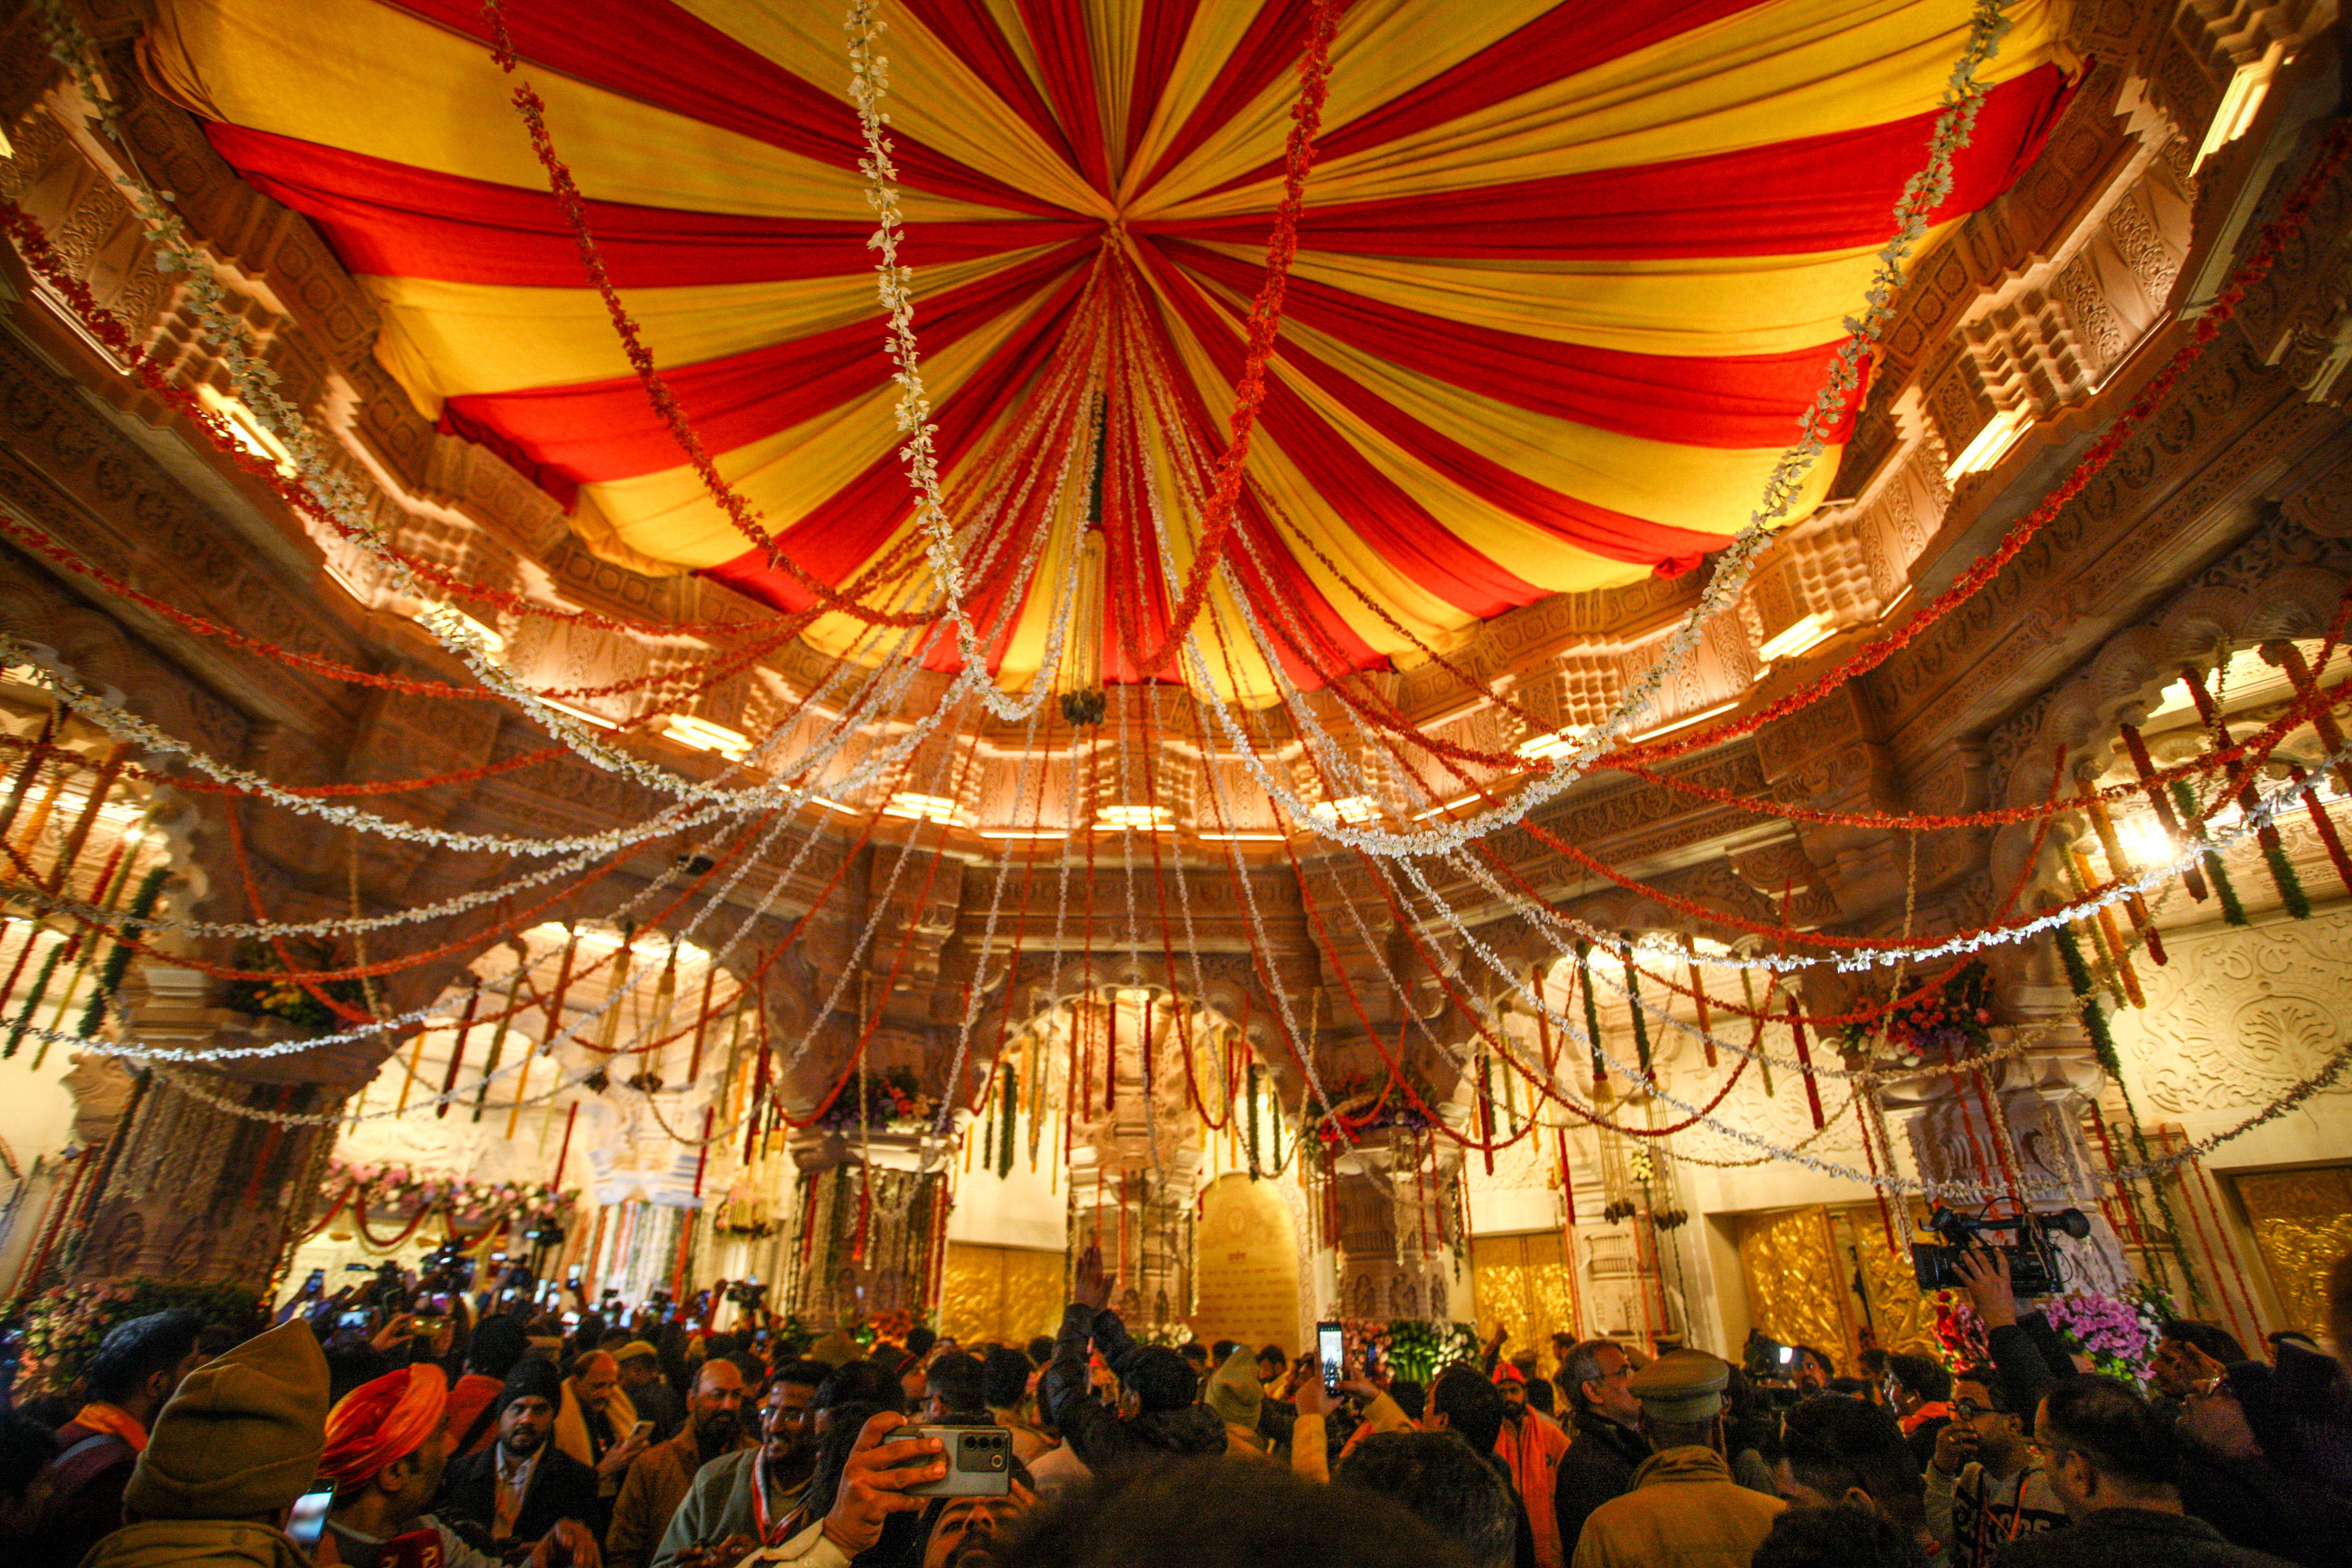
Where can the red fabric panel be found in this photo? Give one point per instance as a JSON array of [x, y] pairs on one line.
[[969, 28], [1392, 522], [560, 486], [1571, 38], [1057, 32], [1157, 46], [398, 220], [1282, 579], [1269, 48], [602, 430], [1815, 194], [1745, 400], [1611, 535], [842, 533], [663, 55]]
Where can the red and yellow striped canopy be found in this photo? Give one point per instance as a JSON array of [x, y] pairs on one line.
[[1570, 272]]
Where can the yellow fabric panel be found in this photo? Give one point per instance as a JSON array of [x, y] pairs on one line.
[[1694, 307], [1382, 49], [1216, 29], [447, 340], [1710, 489], [1114, 30], [933, 97], [669, 514], [436, 100], [1424, 613], [1224, 636], [1774, 72]]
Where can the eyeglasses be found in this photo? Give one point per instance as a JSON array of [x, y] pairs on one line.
[[2213, 1387]]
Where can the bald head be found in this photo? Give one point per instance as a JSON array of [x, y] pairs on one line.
[[717, 1408]]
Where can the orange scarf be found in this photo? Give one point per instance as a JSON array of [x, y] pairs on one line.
[[116, 1422]]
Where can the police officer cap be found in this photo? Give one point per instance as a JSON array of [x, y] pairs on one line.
[[1682, 1387]]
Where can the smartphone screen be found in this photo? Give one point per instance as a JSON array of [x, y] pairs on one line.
[[645, 1429], [1331, 1352], [315, 1283], [309, 1518], [571, 1276]]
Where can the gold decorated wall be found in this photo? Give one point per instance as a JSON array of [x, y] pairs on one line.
[[1246, 1267], [1523, 1281], [1901, 1318], [2302, 1222], [1787, 1257], [1007, 1294]]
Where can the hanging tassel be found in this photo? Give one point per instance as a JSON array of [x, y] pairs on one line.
[[1253, 1122], [1004, 1138], [457, 1051], [701, 1025], [1110, 1055], [1567, 1181], [2162, 806], [490, 1068], [2319, 822], [2282, 870], [1805, 1065], [1756, 1041], [1633, 1006], [2112, 845], [1592, 1016], [2107, 954], [2234, 912], [2086, 1001], [1698, 995], [2289, 657], [118, 962], [609, 1032], [563, 1155], [1487, 1109]]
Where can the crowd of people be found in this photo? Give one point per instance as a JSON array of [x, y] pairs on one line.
[[652, 1445]]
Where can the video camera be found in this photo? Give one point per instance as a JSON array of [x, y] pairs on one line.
[[747, 1294], [2032, 1259]]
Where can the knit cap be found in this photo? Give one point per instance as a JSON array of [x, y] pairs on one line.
[[241, 1435], [1235, 1392], [532, 1378]]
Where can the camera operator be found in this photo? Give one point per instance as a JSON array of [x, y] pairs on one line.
[[2026, 1351]]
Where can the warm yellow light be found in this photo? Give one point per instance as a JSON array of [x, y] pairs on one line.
[[1355, 811], [2241, 101], [246, 429], [1134, 818], [1992, 443], [1240, 838], [923, 808], [492, 643], [704, 735], [1799, 636], [581, 714], [1550, 744], [1685, 722]]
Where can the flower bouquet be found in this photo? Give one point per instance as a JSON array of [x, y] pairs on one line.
[[283, 997], [887, 1102], [1359, 1107], [1953, 1020]]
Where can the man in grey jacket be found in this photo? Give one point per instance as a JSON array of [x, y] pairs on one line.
[[705, 1532], [747, 1496]]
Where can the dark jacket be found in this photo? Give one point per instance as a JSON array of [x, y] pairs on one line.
[[2131, 1538], [1095, 1433], [86, 1497], [2255, 1504], [561, 1488], [1602, 1459]]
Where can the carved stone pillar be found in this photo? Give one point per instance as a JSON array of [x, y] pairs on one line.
[[210, 1173], [868, 1239], [1397, 1239], [2039, 1099], [1134, 1162]]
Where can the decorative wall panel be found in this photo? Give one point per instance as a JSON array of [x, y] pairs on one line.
[[2303, 1223], [1007, 1294], [1245, 1268], [1787, 1259], [1522, 1280]]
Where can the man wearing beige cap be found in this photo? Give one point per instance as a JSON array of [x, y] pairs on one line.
[[237, 1443], [1683, 1507]]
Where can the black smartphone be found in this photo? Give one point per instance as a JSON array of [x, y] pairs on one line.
[[572, 1278], [1331, 1352], [316, 1284], [308, 1519]]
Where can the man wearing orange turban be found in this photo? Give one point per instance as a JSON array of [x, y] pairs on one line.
[[386, 1447]]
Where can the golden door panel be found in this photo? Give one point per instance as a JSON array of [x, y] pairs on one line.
[[1522, 1280], [1900, 1316], [2302, 1222], [1008, 1294], [1795, 1274]]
